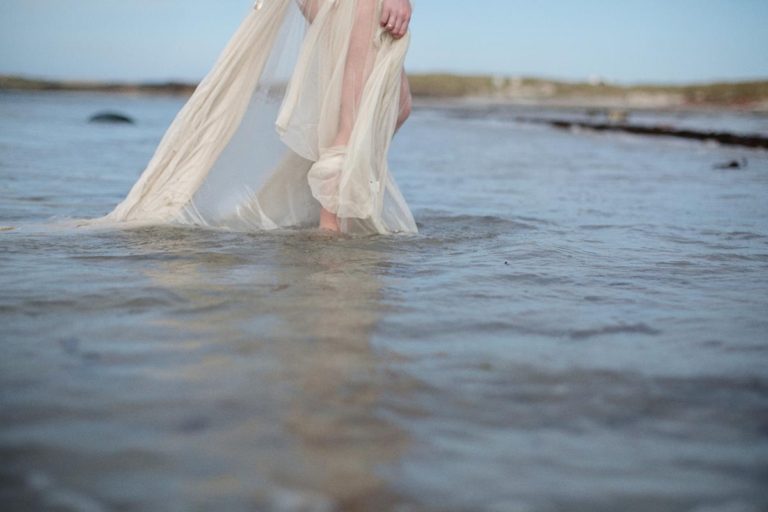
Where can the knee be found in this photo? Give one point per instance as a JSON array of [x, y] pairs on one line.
[[406, 100], [309, 8], [406, 105]]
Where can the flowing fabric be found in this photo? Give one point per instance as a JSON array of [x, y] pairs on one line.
[[298, 112]]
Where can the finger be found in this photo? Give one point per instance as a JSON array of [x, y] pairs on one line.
[[396, 32], [386, 13], [401, 27], [392, 23]]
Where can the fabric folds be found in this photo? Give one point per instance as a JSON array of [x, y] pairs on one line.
[[298, 112], [324, 177]]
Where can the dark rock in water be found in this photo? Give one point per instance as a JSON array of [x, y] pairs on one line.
[[110, 117], [725, 138], [733, 164], [195, 424]]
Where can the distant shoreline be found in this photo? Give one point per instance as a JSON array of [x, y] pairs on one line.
[[428, 88], [744, 96], [21, 83]]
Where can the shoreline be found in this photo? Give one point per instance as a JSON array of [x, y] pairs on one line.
[[482, 90], [599, 105]]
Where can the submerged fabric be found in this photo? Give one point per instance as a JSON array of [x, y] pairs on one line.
[[298, 112]]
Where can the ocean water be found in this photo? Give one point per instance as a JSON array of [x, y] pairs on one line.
[[581, 324]]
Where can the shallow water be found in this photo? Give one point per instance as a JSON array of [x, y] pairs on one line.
[[580, 324]]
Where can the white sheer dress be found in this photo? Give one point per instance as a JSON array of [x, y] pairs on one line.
[[298, 112]]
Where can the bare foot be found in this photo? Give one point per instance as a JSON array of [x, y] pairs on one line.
[[328, 220]]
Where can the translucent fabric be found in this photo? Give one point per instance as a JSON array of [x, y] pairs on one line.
[[298, 112]]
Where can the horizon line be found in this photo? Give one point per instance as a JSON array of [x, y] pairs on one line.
[[595, 79]]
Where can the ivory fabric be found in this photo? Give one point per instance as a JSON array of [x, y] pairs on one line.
[[274, 131]]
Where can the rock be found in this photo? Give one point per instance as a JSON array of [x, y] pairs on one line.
[[110, 117], [732, 164], [725, 138]]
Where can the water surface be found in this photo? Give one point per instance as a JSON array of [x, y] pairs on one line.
[[580, 324]]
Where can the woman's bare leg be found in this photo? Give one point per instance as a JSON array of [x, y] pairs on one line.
[[328, 220], [356, 70], [310, 9], [359, 62], [406, 101]]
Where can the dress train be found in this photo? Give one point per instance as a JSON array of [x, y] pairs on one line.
[[298, 112]]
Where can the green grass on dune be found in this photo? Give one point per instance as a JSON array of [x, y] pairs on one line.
[[444, 85], [29, 84], [449, 86]]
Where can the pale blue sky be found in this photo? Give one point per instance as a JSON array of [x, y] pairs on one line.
[[621, 40]]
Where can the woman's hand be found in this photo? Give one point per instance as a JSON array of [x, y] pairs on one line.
[[395, 16]]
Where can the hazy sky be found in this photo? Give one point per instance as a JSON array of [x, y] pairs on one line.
[[621, 40]]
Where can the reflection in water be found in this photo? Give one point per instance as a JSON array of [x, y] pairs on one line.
[[315, 302], [582, 309]]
